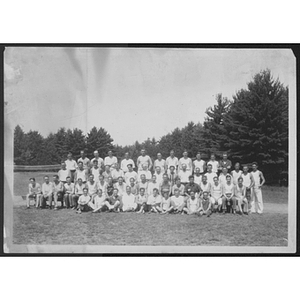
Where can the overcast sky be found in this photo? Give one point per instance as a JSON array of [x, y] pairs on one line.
[[133, 93]]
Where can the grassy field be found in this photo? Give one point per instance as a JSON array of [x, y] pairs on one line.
[[32, 226]]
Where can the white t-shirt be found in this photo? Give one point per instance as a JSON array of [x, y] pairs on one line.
[[81, 174], [100, 161], [235, 176], [172, 162], [69, 188], [154, 200], [143, 160], [246, 179], [205, 187], [125, 162], [121, 188], [184, 176], [116, 174], [146, 173], [214, 164], [256, 178], [151, 186], [92, 187], [85, 161], [187, 161], [63, 174], [193, 204], [178, 201], [160, 163], [222, 178], [216, 191], [210, 177], [129, 175], [197, 179], [110, 161], [71, 165], [96, 173], [128, 201], [199, 164]]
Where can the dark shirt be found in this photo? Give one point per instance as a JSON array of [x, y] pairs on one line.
[[225, 164], [192, 188]]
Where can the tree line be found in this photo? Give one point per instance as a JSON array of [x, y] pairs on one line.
[[253, 126]]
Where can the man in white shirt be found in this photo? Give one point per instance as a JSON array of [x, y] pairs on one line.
[[92, 187], [214, 163], [78, 191], [128, 201], [99, 159], [159, 175], [71, 165], [172, 161], [34, 193], [110, 160], [210, 174], [159, 162], [185, 160], [130, 174], [58, 192], [95, 170], [184, 174], [236, 173], [199, 163], [222, 176], [63, 173], [85, 161], [258, 181], [125, 162], [117, 172], [152, 185], [47, 191], [177, 202], [197, 176], [144, 159], [69, 193], [145, 172], [121, 186], [81, 173]]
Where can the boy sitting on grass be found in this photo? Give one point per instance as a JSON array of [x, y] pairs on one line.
[[141, 200], [165, 205], [205, 205], [83, 202], [177, 202], [99, 200], [113, 202], [153, 202], [193, 204]]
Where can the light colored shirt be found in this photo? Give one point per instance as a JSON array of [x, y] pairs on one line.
[[152, 186], [153, 200], [184, 176], [92, 187], [143, 160], [84, 199], [235, 176], [146, 173], [210, 177], [215, 165], [246, 179], [159, 177], [110, 161], [216, 191], [117, 173], [199, 164], [63, 174], [121, 188], [178, 201], [128, 200], [36, 189], [187, 161], [197, 179], [172, 162], [96, 173], [181, 189], [100, 161], [129, 175], [85, 161], [58, 187], [160, 163], [79, 188], [81, 174], [222, 178], [71, 165], [239, 192], [69, 188], [125, 162], [256, 178]]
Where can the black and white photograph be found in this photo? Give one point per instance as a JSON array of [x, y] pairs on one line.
[[149, 149]]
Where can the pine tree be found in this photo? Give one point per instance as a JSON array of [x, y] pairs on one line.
[[214, 134], [98, 139], [19, 143], [257, 124]]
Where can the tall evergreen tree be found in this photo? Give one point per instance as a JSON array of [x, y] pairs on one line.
[[214, 134], [75, 141], [257, 123], [19, 144], [98, 139]]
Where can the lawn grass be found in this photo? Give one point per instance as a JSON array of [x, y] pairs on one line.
[[65, 227]]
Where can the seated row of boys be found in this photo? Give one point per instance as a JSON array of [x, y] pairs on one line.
[[220, 191]]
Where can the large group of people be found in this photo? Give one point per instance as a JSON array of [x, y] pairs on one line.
[[171, 185]]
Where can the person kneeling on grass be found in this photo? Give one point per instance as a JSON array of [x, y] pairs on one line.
[[35, 193], [99, 200], [177, 202], [193, 204], [69, 192], [205, 205], [113, 202], [83, 202], [227, 201], [141, 200], [128, 201], [153, 202], [240, 196]]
